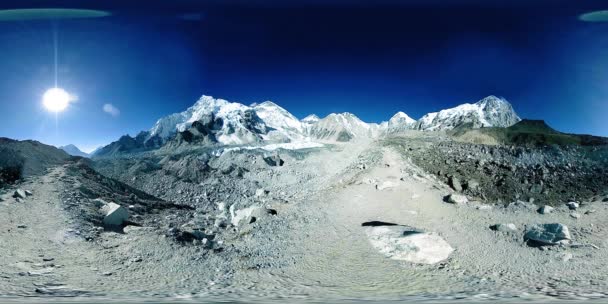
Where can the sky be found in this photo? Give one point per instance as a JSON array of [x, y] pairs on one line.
[[370, 58]]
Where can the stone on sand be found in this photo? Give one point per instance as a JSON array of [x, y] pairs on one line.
[[19, 193], [457, 199], [510, 227], [114, 214], [548, 234], [572, 205], [406, 244], [546, 209]]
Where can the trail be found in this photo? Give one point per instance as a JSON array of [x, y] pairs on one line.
[[45, 253], [335, 258]]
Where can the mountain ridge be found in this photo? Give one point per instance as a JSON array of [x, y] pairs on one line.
[[216, 121]]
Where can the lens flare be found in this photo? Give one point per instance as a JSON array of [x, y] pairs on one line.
[[56, 100]]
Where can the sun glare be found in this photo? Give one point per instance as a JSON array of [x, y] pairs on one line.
[[56, 100]]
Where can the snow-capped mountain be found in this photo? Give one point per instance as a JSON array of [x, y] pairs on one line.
[[212, 121], [230, 123], [310, 119], [399, 122], [341, 127], [308, 122], [73, 150], [488, 112], [284, 127]]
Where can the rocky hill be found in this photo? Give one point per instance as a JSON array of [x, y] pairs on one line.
[[22, 159]]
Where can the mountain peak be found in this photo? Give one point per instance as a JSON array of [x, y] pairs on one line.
[[402, 117], [73, 150], [312, 118], [490, 111]]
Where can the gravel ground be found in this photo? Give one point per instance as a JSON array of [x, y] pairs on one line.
[[303, 241]]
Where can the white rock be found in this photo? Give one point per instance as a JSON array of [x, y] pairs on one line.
[[401, 243], [546, 209], [261, 192], [246, 213], [114, 214], [19, 193], [510, 227], [386, 185], [572, 205], [457, 199]]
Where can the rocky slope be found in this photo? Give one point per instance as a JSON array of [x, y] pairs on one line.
[[23, 159]]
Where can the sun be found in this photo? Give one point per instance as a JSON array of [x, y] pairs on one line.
[[56, 99]]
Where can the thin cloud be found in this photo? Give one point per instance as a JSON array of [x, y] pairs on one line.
[[111, 109]]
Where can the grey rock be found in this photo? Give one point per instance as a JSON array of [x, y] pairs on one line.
[[28, 193], [575, 215], [548, 234]]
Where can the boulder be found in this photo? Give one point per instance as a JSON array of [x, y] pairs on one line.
[[261, 192], [546, 209], [455, 184], [504, 227], [548, 234], [114, 214], [19, 193], [249, 215], [457, 199], [408, 244], [572, 205]]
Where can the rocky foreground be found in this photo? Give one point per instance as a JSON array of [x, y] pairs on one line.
[[414, 216]]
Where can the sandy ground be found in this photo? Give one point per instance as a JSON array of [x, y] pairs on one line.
[[325, 253]]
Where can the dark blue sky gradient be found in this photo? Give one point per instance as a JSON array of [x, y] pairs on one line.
[[308, 56]]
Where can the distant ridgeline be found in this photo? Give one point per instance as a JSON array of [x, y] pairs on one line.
[[527, 133]]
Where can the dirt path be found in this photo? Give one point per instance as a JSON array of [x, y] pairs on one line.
[[39, 250], [336, 258], [324, 251]]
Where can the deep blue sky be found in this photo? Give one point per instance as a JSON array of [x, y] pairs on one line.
[[308, 56]]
